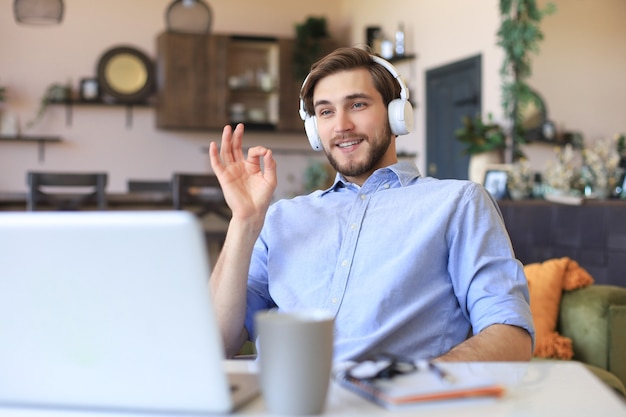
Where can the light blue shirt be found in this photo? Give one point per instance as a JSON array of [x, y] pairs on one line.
[[407, 265]]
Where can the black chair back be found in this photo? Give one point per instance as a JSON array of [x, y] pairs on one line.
[[200, 193], [37, 196], [149, 186]]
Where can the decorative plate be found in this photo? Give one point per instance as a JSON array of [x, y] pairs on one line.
[[126, 74]]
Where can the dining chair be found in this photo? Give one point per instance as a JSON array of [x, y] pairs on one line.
[[43, 190], [149, 186], [201, 194]]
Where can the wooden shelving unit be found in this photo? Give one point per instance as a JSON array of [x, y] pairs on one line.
[[206, 82]]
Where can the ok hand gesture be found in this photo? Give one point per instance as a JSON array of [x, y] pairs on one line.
[[247, 185]]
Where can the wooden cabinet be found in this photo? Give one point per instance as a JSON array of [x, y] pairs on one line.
[[207, 81], [290, 90], [253, 79], [191, 90]]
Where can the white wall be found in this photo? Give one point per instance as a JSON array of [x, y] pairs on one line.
[[438, 32], [32, 57], [579, 71]]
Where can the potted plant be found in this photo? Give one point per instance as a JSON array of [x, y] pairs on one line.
[[8, 121], [485, 143], [521, 179], [309, 44], [600, 171], [519, 35], [55, 93], [481, 136], [318, 175], [620, 145]]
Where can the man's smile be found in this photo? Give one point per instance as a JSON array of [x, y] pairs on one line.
[[350, 143]]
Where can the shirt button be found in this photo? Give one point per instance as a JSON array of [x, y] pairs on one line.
[[344, 263], [334, 300], [386, 186], [353, 226], [363, 196]]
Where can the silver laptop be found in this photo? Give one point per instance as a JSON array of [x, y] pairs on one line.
[[110, 311]]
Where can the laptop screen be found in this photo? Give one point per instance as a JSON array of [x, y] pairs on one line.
[[108, 310]]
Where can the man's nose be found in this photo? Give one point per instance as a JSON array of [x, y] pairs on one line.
[[343, 121]]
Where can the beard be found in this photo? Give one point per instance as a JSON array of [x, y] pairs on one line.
[[378, 148]]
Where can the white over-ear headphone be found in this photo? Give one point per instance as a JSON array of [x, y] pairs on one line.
[[400, 111]]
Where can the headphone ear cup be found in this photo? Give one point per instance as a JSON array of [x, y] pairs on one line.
[[310, 127], [400, 114]]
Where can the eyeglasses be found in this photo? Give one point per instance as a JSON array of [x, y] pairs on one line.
[[387, 366], [380, 366]]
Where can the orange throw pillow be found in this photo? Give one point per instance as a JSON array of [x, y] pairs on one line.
[[546, 282]]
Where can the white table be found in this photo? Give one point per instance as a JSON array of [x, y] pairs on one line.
[[542, 388], [535, 389]]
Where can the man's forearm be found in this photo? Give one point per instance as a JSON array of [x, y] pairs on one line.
[[499, 342], [228, 285]]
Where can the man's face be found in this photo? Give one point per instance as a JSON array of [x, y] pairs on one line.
[[353, 125]]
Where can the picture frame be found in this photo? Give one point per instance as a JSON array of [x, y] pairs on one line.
[[622, 193], [89, 89], [496, 183]]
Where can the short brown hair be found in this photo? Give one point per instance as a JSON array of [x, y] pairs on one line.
[[344, 59]]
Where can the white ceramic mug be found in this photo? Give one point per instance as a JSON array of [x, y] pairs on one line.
[[295, 355]]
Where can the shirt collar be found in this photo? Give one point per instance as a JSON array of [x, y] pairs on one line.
[[405, 171]]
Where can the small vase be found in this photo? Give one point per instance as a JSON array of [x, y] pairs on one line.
[[9, 124], [480, 162], [602, 193], [517, 194]]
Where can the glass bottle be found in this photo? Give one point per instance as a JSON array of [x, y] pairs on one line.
[[538, 187], [399, 49], [386, 49]]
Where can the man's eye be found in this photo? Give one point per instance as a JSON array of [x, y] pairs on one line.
[[358, 105], [323, 113]]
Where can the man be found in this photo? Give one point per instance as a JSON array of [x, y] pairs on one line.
[[409, 265]]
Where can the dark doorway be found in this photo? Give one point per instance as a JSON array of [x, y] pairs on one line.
[[452, 91]]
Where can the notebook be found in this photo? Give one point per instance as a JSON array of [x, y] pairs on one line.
[[427, 383], [110, 311]]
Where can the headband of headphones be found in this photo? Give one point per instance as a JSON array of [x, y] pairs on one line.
[[404, 92], [399, 110]]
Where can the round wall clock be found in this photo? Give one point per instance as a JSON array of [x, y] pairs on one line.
[[126, 74]]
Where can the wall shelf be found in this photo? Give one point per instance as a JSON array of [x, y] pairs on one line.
[[40, 140], [69, 104]]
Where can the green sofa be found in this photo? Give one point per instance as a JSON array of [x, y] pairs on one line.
[[594, 318]]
